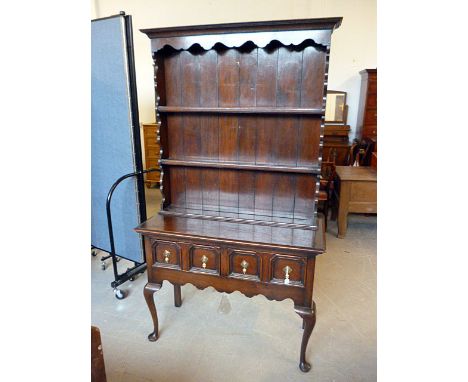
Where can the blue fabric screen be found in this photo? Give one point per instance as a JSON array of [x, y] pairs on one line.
[[112, 142]]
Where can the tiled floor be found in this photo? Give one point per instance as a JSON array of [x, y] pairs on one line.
[[220, 337]]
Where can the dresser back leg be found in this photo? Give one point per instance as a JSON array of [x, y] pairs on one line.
[[177, 295], [308, 316], [148, 292]]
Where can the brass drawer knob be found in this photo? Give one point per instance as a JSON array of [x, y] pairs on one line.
[[287, 271], [166, 254], [204, 260], [244, 264]]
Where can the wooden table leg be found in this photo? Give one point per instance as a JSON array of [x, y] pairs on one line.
[[148, 292], [309, 317], [343, 209]]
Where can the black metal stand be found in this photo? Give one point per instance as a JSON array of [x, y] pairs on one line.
[[130, 273]]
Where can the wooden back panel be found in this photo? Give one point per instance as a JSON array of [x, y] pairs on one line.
[[241, 127]]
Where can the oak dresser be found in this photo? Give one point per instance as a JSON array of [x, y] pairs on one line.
[[240, 115]]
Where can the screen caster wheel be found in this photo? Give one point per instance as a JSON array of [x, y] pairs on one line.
[[119, 294], [93, 253]]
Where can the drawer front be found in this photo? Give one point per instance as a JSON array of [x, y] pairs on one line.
[[369, 131], [370, 117], [153, 176], [244, 265], [152, 151], [372, 100], [149, 131], [372, 86], [288, 270], [204, 259], [152, 163], [166, 254]]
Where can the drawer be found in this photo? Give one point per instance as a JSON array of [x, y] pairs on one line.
[[204, 259], [371, 117], [151, 140], [288, 270], [372, 86], [150, 131], [152, 151], [369, 131], [244, 265], [372, 100], [166, 254], [154, 176], [152, 163]]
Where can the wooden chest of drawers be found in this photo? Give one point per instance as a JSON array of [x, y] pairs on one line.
[[152, 148], [367, 112]]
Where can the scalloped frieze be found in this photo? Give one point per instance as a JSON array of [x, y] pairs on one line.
[[236, 40]]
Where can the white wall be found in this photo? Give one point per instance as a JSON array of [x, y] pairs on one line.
[[353, 44]]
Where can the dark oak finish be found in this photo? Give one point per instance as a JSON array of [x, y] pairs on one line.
[[240, 114]]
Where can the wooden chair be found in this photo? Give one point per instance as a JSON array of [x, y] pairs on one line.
[[359, 153]]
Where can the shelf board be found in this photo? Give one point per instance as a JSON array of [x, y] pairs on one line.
[[314, 169], [242, 218], [240, 110]]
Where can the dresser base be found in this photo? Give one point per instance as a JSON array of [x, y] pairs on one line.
[[277, 263]]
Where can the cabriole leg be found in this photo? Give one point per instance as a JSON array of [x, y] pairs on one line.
[[148, 292], [308, 316]]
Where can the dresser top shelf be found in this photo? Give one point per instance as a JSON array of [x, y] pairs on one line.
[[261, 34], [269, 238], [251, 26]]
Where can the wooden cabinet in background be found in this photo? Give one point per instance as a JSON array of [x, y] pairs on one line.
[[336, 144], [367, 112], [151, 146]]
